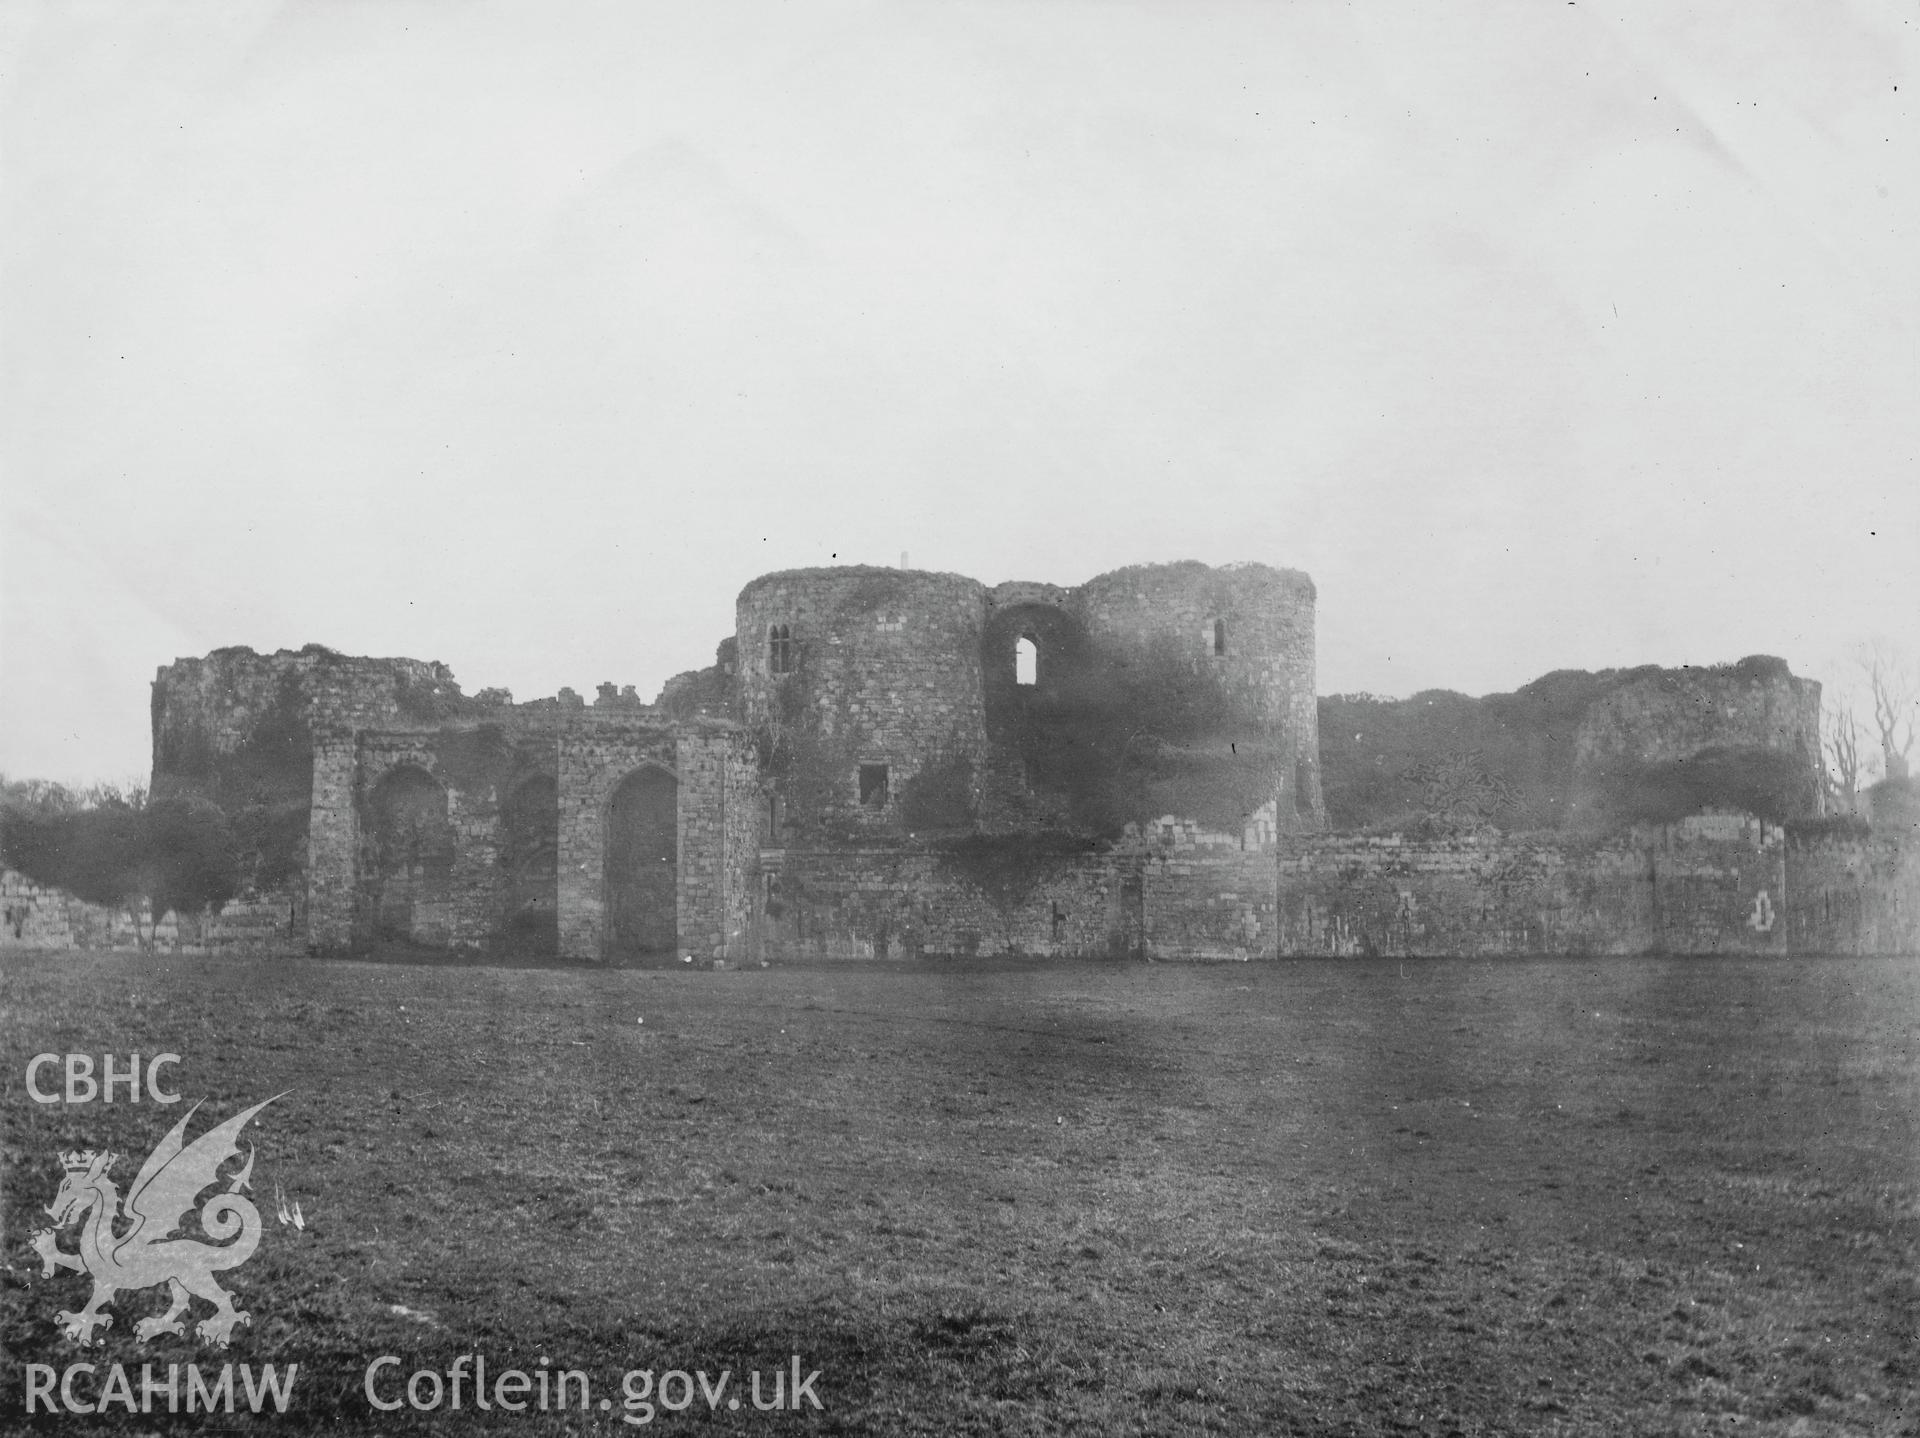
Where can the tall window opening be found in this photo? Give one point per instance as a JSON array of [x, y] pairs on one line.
[[873, 786], [1026, 661], [780, 650], [1219, 636]]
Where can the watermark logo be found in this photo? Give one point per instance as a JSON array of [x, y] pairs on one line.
[[82, 1087], [131, 1243]]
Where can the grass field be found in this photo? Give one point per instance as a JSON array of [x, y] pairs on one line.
[[1612, 1197]]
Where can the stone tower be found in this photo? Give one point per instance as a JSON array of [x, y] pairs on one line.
[[859, 680]]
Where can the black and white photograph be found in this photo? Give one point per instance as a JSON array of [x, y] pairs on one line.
[[1005, 717]]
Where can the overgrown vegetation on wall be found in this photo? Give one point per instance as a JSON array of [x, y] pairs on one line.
[[470, 760], [793, 749], [264, 786], [1765, 782], [710, 692], [1006, 868], [1379, 757], [430, 698], [941, 796], [1373, 750], [172, 855], [1126, 742]]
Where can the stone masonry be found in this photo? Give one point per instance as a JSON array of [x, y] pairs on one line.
[[865, 773]]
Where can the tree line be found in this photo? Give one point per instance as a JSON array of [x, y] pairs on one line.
[[111, 845]]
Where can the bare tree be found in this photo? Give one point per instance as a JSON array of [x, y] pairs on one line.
[[1840, 742], [1895, 694]]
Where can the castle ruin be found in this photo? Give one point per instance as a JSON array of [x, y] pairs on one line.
[[858, 717], [891, 762]]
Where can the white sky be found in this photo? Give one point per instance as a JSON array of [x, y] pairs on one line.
[[522, 335]]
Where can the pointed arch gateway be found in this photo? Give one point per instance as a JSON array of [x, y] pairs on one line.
[[643, 862], [411, 856]]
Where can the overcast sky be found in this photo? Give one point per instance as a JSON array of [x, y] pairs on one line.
[[521, 336]]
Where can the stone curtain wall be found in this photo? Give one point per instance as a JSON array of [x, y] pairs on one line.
[[1713, 884], [1853, 897], [902, 903], [1210, 904], [1690, 890], [35, 917], [1719, 885], [1356, 894]]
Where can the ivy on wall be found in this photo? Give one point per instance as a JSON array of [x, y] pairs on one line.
[[1127, 740]]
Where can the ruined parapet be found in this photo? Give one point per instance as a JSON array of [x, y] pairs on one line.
[[1016, 592], [857, 682], [242, 729], [237, 726], [1743, 735], [713, 692]]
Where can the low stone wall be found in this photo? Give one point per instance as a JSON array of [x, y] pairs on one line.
[[33, 916], [1210, 904], [902, 903], [1853, 897], [1719, 884], [1716, 883], [1345, 894]]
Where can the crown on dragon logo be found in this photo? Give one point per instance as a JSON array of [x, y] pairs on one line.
[[127, 1242]]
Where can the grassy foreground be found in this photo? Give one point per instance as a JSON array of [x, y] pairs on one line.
[[1610, 1197]]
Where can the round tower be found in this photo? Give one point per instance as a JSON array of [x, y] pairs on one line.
[[863, 686], [1233, 650]]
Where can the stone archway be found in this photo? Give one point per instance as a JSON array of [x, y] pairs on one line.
[[643, 862], [412, 857]]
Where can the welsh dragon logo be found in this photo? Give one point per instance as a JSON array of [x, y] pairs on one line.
[[146, 1253]]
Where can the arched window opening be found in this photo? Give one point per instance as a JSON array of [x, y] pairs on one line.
[[780, 650], [1026, 661], [1219, 636]]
